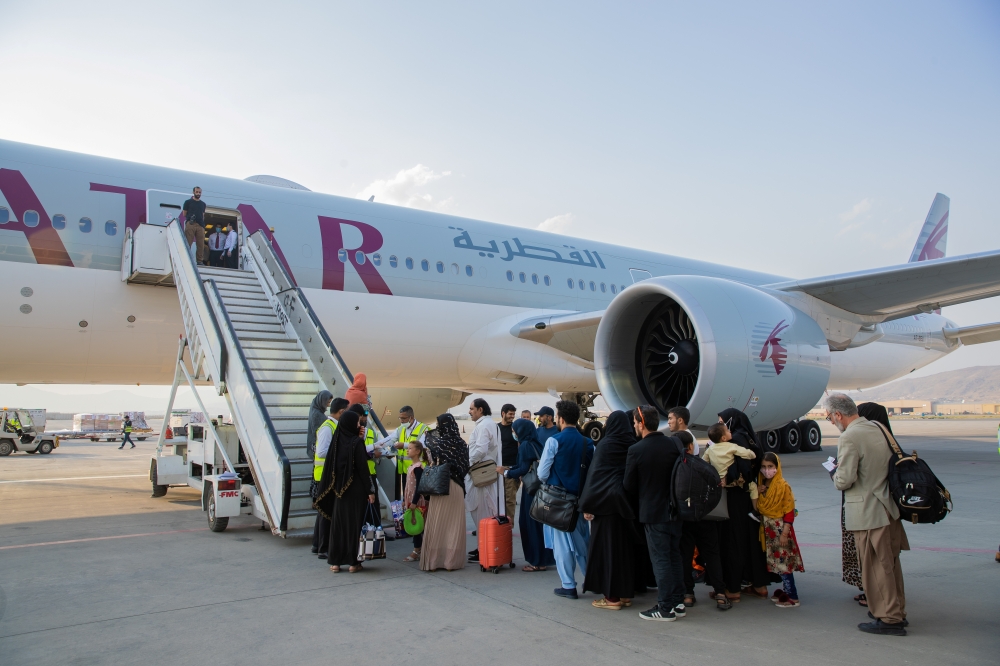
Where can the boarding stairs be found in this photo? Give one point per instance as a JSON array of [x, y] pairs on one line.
[[251, 334]]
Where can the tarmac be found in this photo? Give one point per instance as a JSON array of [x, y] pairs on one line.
[[97, 572]]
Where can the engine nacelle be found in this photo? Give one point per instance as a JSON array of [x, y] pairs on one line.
[[709, 344]]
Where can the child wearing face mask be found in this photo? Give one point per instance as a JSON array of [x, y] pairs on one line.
[[776, 504]]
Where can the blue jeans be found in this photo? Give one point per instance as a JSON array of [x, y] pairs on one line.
[[788, 583], [664, 541]]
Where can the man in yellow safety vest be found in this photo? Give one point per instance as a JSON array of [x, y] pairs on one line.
[[409, 430], [127, 431], [324, 436]]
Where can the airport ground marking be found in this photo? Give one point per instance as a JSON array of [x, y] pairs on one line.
[[103, 538], [78, 478]]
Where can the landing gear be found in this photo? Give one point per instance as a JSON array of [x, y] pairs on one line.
[[594, 430], [588, 425], [811, 436], [771, 441], [791, 439]]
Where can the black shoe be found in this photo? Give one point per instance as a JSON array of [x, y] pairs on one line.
[[880, 627], [569, 593], [121, 447], [315, 550], [474, 555], [323, 556], [906, 622], [680, 610], [133, 446], [657, 615]]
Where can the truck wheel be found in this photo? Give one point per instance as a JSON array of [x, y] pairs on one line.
[[594, 430], [791, 440], [215, 523], [158, 490], [6, 448], [45, 448], [771, 441], [812, 436]]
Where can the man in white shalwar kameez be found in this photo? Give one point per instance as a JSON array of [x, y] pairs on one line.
[[484, 444]]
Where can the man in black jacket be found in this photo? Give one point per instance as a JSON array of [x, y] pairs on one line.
[[648, 471]]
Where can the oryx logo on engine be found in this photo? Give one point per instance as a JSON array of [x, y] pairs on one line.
[[773, 354]]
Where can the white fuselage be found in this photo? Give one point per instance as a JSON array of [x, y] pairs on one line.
[[411, 298]]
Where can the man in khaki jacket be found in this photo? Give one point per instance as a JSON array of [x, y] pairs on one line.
[[871, 514]]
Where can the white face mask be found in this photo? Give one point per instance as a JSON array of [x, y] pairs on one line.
[[769, 472]]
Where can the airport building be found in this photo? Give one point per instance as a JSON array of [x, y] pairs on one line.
[[896, 407]]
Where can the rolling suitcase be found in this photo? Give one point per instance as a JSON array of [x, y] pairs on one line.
[[496, 539]]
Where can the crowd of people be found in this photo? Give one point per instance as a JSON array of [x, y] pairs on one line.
[[627, 537]]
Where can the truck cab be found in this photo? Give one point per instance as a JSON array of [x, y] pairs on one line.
[[23, 430]]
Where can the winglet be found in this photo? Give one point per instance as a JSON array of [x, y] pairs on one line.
[[932, 243]]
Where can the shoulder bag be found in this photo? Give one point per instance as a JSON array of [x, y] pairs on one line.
[[557, 507], [484, 472], [530, 479], [435, 480]]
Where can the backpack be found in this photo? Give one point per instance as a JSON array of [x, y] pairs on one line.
[[918, 493], [694, 487]]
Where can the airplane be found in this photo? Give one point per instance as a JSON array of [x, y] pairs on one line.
[[433, 307]]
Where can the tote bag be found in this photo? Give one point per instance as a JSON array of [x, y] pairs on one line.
[[435, 480]]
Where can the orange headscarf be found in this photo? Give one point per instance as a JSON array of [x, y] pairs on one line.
[[778, 500], [358, 393]]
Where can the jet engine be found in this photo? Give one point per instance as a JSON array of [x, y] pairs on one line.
[[709, 344]]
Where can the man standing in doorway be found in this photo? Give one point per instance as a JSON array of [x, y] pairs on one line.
[[194, 224], [862, 472], [231, 253], [546, 424], [508, 457], [648, 470], [215, 244]]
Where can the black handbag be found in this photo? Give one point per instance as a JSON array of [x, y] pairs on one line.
[[530, 479], [555, 507], [435, 480]]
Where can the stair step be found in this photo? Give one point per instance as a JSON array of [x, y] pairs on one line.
[[281, 374], [269, 328], [253, 318], [299, 411], [261, 336]]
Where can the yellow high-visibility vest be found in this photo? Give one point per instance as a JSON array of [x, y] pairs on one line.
[[128, 426], [402, 462], [317, 461], [369, 440]]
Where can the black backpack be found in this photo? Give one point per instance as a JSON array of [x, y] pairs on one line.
[[918, 493], [694, 487]]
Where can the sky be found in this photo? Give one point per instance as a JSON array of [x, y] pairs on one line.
[[802, 139]]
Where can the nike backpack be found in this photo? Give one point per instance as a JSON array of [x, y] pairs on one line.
[[694, 487], [918, 493]]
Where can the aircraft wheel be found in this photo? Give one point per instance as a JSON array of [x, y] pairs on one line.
[[812, 436], [771, 441], [594, 430], [791, 439], [215, 523]]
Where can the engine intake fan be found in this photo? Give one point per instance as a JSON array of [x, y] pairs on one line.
[[667, 356]]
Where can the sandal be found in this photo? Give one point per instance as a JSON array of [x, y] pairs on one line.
[[689, 600], [530, 568], [412, 557], [732, 598], [605, 604], [752, 591], [723, 603], [788, 602], [356, 568], [626, 603], [862, 600], [335, 569]]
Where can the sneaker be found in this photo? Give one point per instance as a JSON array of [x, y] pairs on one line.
[[906, 622], [880, 627], [679, 610], [121, 447], [474, 556], [657, 615], [569, 593], [133, 446]]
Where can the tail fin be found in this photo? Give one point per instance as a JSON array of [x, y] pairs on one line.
[[932, 243]]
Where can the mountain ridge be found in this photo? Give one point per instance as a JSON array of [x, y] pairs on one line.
[[978, 384]]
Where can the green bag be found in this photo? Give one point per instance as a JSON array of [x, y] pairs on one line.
[[413, 521]]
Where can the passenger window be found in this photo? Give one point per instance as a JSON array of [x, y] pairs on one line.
[[393, 261], [521, 277], [111, 227], [582, 285], [30, 218], [468, 271], [614, 289], [58, 221], [4, 215], [454, 269], [510, 276], [440, 266], [534, 278], [359, 257], [377, 259], [342, 255], [603, 288], [85, 225], [593, 287], [621, 288], [409, 263], [425, 265], [569, 282], [548, 281]]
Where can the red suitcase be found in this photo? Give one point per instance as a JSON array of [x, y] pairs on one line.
[[496, 540]]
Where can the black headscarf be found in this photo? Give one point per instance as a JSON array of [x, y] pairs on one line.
[[449, 447], [875, 412], [743, 435], [342, 467], [527, 433], [317, 415], [603, 494]]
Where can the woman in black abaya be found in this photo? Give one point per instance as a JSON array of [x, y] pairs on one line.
[[345, 493], [611, 552], [743, 559]]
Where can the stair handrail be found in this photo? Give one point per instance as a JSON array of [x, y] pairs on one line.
[[258, 244], [282, 458]]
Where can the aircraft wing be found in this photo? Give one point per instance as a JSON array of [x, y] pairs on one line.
[[974, 335], [900, 291]]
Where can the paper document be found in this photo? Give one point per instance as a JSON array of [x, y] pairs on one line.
[[830, 465]]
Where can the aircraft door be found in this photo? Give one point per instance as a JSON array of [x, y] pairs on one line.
[[162, 207]]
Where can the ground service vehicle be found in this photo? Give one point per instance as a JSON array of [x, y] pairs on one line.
[[23, 430]]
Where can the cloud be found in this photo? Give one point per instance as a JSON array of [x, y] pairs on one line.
[[408, 188], [557, 224], [862, 206]]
